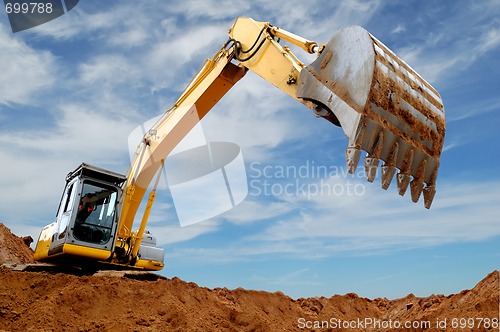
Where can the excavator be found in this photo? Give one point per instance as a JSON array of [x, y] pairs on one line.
[[357, 83]]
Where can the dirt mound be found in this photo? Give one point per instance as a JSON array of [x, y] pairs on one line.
[[14, 249], [36, 301], [460, 310]]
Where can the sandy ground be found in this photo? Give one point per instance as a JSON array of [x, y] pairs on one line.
[[42, 301]]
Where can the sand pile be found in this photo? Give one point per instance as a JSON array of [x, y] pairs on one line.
[[42, 301]]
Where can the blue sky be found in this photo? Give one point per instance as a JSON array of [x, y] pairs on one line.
[[75, 88]]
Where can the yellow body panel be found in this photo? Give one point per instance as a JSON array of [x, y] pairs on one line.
[[87, 252], [272, 62], [42, 252], [149, 265], [44, 241]]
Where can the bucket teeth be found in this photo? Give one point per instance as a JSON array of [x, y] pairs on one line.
[[404, 176], [372, 161], [353, 151], [417, 185], [403, 180], [352, 155], [429, 192], [388, 169], [371, 165], [387, 175]]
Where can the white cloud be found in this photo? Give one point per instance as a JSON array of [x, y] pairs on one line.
[[216, 10], [109, 70], [31, 188], [461, 212], [488, 41], [169, 234], [231, 253], [81, 22], [132, 37], [26, 73], [455, 142], [251, 211], [400, 28], [462, 39], [468, 111], [165, 59], [376, 222], [37, 160], [302, 277], [79, 131]]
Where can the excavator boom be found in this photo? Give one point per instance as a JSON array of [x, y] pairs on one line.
[[383, 106]]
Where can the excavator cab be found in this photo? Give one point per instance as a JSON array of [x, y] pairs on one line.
[[96, 212], [87, 220], [87, 217]]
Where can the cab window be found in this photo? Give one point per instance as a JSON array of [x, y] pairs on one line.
[[95, 213]]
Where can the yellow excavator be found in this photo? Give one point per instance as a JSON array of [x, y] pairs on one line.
[[383, 106]]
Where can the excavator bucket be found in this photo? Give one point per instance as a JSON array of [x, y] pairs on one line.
[[384, 107]]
